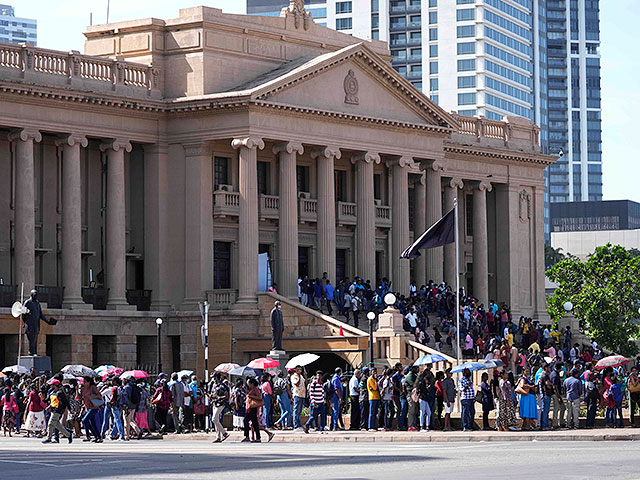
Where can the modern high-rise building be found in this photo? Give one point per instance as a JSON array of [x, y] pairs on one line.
[[533, 58], [16, 29]]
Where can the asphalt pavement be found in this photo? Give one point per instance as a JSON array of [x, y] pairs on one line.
[[197, 459]]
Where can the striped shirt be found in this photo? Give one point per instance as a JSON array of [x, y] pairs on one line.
[[316, 393]]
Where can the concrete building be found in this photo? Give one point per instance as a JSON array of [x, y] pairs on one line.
[[148, 175], [16, 29], [595, 216], [583, 243]]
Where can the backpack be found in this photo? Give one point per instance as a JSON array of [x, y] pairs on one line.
[[278, 387], [135, 394], [328, 390], [121, 401]]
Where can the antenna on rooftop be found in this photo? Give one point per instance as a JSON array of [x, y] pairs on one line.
[[108, 3]]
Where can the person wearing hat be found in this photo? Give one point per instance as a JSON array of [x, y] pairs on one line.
[[277, 326], [58, 403]]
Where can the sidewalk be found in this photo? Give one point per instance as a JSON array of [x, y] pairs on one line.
[[595, 435]]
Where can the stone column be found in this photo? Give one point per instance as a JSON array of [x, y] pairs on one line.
[[288, 219], [480, 243], [400, 224], [72, 221], [434, 256], [326, 230], [419, 226], [24, 222], [451, 193], [366, 215], [115, 265], [198, 252], [248, 230], [156, 224]]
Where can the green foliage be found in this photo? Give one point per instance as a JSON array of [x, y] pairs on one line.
[[552, 256], [605, 293]]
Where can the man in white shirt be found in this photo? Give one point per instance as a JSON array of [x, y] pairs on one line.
[[412, 318], [354, 398], [299, 392]]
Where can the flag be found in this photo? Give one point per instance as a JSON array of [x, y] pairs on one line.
[[438, 234]]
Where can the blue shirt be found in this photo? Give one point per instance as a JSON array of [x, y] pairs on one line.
[[572, 385], [328, 292], [337, 386]]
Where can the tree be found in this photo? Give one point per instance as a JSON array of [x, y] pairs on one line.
[[605, 293], [552, 256]]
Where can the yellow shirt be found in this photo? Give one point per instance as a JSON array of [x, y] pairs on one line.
[[534, 347], [372, 387], [510, 339]]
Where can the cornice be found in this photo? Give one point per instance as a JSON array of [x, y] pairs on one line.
[[538, 159]]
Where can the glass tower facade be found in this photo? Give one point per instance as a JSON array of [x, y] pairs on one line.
[[16, 29]]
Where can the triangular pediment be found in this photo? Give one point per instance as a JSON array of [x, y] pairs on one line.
[[353, 81]]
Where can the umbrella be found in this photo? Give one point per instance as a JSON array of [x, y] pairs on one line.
[[2, 375], [428, 359], [473, 366], [302, 360], [244, 372], [183, 373], [67, 377], [493, 363], [111, 371], [137, 374], [225, 367], [15, 369], [263, 363], [103, 368], [611, 361], [78, 371]]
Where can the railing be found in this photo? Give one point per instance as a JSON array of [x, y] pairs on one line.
[[347, 213], [414, 350], [222, 299], [514, 129], [269, 206], [7, 295], [82, 72], [96, 296], [383, 216], [140, 298], [52, 296], [307, 210], [226, 203]]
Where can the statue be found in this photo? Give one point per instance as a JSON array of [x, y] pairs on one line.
[[32, 321], [277, 326]]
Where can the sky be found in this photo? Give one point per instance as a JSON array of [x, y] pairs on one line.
[[61, 23]]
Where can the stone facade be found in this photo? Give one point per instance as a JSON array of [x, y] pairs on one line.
[[149, 173]]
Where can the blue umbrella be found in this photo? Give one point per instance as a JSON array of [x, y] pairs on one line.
[[471, 366], [428, 359], [493, 363], [245, 372]]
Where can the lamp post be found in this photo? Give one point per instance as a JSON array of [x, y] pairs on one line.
[[159, 324], [371, 316], [568, 306]]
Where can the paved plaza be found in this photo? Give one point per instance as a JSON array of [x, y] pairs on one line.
[[192, 459]]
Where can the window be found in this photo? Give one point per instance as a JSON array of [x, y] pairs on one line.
[[375, 34], [341, 185], [399, 54], [433, 18], [221, 171], [415, 21], [508, 25], [499, 86], [508, 106], [417, 69], [435, 99], [507, 73], [317, 12], [466, 98], [466, 48], [263, 178], [433, 67], [468, 113], [468, 210], [508, 57], [418, 85], [433, 3], [344, 23], [433, 34], [302, 178], [465, 14], [221, 265], [398, 22], [433, 51], [416, 53], [465, 31], [377, 186], [343, 7], [375, 5], [467, 65], [464, 2], [402, 70], [433, 84], [467, 82], [375, 20]]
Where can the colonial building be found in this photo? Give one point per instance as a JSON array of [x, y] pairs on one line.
[[148, 175]]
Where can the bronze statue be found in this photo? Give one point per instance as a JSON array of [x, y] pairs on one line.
[[32, 321], [277, 326]]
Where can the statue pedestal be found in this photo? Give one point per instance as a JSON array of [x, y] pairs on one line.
[[41, 364], [281, 356]]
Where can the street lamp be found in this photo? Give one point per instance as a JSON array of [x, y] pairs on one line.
[[390, 299], [568, 306], [159, 324], [371, 316]]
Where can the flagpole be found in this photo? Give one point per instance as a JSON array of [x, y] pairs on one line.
[[455, 206]]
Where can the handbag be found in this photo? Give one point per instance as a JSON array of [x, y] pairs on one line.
[[97, 402], [634, 388], [199, 408], [479, 396], [521, 390]]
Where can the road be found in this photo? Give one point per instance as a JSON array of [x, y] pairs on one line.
[[195, 459]]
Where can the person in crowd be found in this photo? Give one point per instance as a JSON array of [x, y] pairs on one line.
[[467, 399], [486, 400], [374, 399], [528, 408], [354, 399], [573, 387], [162, 401], [58, 403], [506, 418], [92, 402]]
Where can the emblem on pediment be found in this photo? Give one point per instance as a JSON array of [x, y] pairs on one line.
[[525, 206], [351, 89]]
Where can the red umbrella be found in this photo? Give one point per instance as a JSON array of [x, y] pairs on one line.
[[137, 374], [112, 371], [263, 363], [611, 361]]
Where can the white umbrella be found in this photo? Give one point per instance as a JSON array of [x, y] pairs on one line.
[[15, 369], [302, 360]]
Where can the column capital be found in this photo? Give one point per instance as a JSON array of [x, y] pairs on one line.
[[366, 157], [455, 182], [484, 185], [25, 134], [326, 152], [197, 149], [116, 145], [401, 161], [248, 142], [71, 140], [288, 147], [437, 165], [422, 180]]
